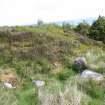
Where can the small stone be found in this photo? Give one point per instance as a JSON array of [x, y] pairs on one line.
[[8, 85], [39, 83]]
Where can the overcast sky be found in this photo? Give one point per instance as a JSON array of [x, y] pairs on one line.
[[17, 12]]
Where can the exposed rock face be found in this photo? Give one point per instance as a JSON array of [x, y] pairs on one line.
[[88, 74], [39, 83], [80, 63]]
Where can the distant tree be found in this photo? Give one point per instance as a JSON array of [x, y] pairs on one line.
[[67, 27], [97, 30], [39, 22], [83, 28]]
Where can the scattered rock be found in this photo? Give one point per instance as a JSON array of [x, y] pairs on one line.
[[8, 85], [39, 83], [7, 76], [88, 74], [80, 63]]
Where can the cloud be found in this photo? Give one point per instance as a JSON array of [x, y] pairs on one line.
[[17, 12]]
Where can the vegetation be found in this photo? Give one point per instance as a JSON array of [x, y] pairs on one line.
[[83, 28], [97, 30], [47, 52]]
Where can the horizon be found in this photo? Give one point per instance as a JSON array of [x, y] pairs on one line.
[[22, 12], [72, 22]]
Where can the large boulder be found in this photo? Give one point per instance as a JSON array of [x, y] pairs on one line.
[[88, 74], [80, 64]]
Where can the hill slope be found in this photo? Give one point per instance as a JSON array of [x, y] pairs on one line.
[[47, 53]]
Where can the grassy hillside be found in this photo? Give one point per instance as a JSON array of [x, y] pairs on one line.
[[47, 53]]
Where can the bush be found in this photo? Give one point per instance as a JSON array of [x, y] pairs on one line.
[[83, 28], [65, 74], [97, 30], [67, 27]]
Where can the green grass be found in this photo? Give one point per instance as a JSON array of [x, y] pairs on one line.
[[34, 58], [27, 94], [65, 74]]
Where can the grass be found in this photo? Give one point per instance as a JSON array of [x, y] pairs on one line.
[[25, 95], [65, 74], [33, 57], [8, 97], [65, 94], [95, 60]]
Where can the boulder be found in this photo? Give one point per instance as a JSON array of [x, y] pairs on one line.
[[39, 83], [8, 85], [80, 64], [88, 74]]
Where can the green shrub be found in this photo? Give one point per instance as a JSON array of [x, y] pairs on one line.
[[97, 30], [83, 28], [65, 74]]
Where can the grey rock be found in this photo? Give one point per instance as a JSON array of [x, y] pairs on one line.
[[80, 63], [88, 74], [39, 83], [8, 85]]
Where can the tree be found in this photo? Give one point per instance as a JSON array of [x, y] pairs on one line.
[[39, 22], [97, 30], [83, 28], [67, 27]]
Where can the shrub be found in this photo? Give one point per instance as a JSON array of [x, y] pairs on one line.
[[67, 27], [65, 74], [97, 30], [83, 28]]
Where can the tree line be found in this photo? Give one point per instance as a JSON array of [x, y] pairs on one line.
[[95, 31]]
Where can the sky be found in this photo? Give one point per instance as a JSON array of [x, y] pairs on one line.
[[22, 12]]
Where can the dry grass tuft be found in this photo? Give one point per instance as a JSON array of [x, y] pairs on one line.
[[69, 96]]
